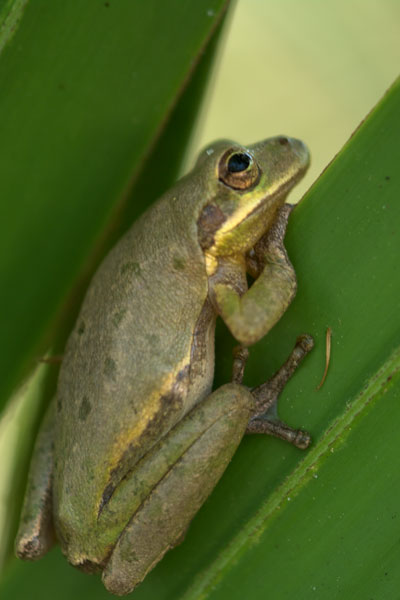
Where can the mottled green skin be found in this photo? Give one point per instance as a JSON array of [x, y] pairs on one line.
[[129, 337], [139, 442]]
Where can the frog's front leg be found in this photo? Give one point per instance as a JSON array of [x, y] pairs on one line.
[[264, 418], [36, 531], [208, 436], [251, 313]]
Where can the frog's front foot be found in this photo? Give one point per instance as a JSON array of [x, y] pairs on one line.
[[264, 418]]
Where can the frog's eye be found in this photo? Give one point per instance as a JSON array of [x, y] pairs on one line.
[[238, 170]]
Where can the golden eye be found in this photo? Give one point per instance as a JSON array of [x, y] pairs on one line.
[[238, 170]]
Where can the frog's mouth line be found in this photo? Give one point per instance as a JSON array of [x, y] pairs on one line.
[[283, 190]]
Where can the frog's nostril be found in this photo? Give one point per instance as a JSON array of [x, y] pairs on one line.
[[283, 140]]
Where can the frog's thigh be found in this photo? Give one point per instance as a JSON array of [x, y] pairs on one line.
[[164, 517], [36, 532]]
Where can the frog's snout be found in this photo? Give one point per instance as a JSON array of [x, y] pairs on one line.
[[298, 148]]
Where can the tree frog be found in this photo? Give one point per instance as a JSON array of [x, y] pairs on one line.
[[135, 440]]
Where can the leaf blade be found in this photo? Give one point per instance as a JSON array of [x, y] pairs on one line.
[[352, 243]]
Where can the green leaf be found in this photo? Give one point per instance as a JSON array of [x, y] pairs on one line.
[[86, 90], [324, 523]]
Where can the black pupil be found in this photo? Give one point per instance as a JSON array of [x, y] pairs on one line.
[[238, 162]]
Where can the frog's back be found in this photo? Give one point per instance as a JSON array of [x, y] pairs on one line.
[[125, 377]]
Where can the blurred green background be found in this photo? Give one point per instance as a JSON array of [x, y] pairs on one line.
[[305, 68]]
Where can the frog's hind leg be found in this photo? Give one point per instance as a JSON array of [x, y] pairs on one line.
[[36, 531], [264, 418], [214, 427]]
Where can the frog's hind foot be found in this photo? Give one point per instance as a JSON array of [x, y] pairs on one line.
[[299, 438], [36, 533], [264, 418], [33, 545]]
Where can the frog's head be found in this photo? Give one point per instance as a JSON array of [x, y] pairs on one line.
[[245, 188]]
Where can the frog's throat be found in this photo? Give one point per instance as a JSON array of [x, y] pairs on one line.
[[276, 195]]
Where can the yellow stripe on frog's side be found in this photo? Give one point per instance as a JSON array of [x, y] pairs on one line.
[[153, 407], [211, 264]]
